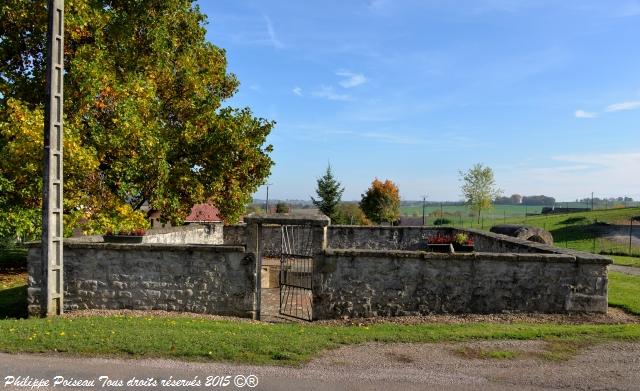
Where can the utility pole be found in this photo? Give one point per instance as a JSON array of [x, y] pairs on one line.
[[592, 201], [266, 207], [52, 205]]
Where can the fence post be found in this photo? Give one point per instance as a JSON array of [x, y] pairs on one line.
[[630, 233]]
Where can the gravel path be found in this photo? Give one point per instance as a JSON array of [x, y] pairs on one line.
[[611, 366], [625, 269]]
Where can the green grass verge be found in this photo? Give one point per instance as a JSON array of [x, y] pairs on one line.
[[286, 344], [626, 261], [624, 292], [482, 353]]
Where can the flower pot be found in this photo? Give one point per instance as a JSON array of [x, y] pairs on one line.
[[122, 238]]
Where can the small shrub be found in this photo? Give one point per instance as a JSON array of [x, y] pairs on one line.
[[461, 238], [441, 221], [282, 207]]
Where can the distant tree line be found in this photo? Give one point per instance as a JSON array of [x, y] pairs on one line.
[[517, 199], [603, 201]]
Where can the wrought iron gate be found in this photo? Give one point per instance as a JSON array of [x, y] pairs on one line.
[[296, 271]]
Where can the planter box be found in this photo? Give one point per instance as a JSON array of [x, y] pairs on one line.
[[463, 248], [440, 248], [122, 238]]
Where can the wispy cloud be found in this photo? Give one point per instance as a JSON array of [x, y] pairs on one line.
[[383, 137], [351, 79], [329, 93], [585, 114], [273, 38], [297, 91], [631, 105]]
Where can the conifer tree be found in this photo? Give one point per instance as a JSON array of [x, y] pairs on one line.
[[329, 193]]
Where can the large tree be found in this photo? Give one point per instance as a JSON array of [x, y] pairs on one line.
[[381, 202], [144, 121], [329, 193], [479, 188]]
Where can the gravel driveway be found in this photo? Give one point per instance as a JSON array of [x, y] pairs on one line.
[[448, 366]]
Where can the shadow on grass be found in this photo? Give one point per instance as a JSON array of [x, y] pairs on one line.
[[13, 302], [577, 232]]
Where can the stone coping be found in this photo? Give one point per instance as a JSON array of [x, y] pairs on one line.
[[289, 219], [148, 246], [180, 228], [486, 256], [542, 248]]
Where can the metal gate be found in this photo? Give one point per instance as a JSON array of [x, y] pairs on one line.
[[296, 271]]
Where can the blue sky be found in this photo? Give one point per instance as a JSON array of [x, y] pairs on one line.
[[547, 93]]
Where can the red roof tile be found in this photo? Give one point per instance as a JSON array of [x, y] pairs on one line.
[[204, 213]]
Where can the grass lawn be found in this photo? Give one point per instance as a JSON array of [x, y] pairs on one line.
[[624, 292], [577, 230], [260, 343]]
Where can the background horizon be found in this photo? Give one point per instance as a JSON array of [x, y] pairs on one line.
[[546, 94]]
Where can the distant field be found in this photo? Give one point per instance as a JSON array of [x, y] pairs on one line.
[[580, 231], [585, 230], [462, 213]]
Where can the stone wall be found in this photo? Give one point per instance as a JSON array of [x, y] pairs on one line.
[[380, 238], [192, 278], [189, 234], [363, 283], [236, 235]]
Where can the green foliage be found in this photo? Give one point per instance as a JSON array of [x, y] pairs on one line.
[[349, 213], [479, 188], [254, 209], [329, 193], [381, 202], [441, 221], [144, 120], [282, 207], [461, 238]]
